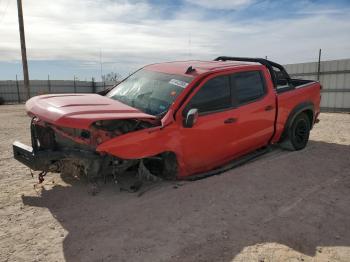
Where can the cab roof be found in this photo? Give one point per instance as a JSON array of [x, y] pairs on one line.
[[200, 67]]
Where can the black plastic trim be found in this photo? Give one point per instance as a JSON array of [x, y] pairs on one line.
[[307, 105], [269, 64], [42, 159]]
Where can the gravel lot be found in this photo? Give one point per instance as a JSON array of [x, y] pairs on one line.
[[285, 206]]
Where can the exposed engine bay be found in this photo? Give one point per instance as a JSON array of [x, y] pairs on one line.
[[52, 137], [71, 151]]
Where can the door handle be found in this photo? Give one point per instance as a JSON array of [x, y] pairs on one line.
[[269, 108], [230, 120]]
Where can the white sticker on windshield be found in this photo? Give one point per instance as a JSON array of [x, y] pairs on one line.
[[178, 83]]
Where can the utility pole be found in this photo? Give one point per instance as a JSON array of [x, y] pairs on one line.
[[319, 65], [101, 64], [23, 48], [48, 84], [18, 95], [75, 85]]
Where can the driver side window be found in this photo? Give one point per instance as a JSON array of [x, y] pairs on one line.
[[214, 95]]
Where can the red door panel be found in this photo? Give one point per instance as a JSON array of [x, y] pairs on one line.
[[255, 125], [209, 142]]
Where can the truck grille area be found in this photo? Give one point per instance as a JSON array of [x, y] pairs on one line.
[[45, 138], [49, 137]]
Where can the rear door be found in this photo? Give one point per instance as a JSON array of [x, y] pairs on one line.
[[255, 110]]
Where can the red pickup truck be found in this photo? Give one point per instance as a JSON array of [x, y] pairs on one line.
[[173, 120]]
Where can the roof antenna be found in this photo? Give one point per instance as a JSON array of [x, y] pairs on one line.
[[190, 70]]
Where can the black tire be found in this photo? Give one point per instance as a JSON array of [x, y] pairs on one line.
[[298, 134]]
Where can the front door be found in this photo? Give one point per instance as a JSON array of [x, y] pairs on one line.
[[208, 143]]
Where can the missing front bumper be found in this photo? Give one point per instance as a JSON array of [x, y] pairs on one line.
[[45, 160]]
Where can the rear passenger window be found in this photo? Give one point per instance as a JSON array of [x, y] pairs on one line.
[[214, 95], [249, 86]]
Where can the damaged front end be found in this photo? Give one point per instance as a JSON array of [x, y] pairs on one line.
[[73, 151]]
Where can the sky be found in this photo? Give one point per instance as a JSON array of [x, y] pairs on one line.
[[67, 38]]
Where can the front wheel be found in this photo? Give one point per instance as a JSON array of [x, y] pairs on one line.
[[298, 133]]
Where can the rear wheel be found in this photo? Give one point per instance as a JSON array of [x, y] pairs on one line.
[[298, 133]]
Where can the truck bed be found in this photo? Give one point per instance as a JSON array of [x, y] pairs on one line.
[[294, 83], [288, 97]]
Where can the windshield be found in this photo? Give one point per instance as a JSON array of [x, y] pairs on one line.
[[150, 92]]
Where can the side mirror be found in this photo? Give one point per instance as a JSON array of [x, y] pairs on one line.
[[191, 118]]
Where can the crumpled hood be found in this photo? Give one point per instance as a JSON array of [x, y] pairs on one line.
[[80, 110]]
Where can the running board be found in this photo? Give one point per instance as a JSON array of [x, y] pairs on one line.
[[235, 163]]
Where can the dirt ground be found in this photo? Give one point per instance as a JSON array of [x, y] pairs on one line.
[[285, 206]]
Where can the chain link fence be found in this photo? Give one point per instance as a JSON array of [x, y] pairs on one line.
[[14, 91]]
